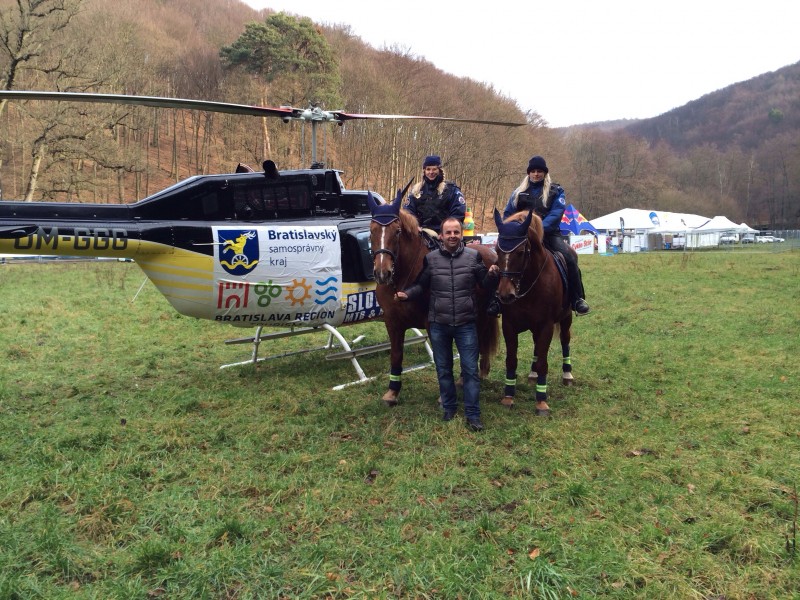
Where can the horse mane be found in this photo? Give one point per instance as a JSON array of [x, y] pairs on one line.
[[535, 226], [408, 222]]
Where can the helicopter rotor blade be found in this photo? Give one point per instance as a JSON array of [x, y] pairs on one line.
[[224, 107], [287, 113], [343, 116]]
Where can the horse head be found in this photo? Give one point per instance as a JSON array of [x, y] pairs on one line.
[[384, 234], [513, 253]]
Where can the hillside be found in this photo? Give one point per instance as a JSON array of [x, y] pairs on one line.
[[745, 114], [732, 152]]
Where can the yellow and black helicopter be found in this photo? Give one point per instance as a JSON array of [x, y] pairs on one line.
[[287, 248]]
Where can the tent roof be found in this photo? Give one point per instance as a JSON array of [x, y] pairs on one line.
[[650, 220], [718, 224]]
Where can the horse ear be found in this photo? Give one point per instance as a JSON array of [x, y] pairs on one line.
[[402, 193], [371, 202], [498, 220], [527, 222]]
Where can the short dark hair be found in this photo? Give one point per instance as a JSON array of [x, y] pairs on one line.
[[456, 219]]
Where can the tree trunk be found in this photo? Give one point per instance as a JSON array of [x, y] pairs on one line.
[[38, 155]]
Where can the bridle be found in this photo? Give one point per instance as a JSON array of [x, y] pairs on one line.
[[383, 223], [516, 276]]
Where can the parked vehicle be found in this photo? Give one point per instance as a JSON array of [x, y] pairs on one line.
[[764, 239], [489, 239], [728, 239], [748, 238]]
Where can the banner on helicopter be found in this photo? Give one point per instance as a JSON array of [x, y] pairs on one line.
[[272, 275]]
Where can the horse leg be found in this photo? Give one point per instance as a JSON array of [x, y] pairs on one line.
[[512, 344], [542, 343], [533, 375], [566, 367], [396, 340]]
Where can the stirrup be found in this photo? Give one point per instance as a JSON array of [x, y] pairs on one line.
[[581, 307]]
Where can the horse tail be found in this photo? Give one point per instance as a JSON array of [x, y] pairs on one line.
[[489, 336]]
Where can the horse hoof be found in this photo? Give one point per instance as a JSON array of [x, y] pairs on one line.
[[532, 377], [567, 379], [507, 401], [390, 398], [542, 412]]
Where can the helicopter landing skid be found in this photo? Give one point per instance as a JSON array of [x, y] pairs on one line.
[[346, 353]]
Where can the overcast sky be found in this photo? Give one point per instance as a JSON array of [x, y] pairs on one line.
[[579, 61]]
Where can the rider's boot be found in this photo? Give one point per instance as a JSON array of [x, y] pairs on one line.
[[581, 307]]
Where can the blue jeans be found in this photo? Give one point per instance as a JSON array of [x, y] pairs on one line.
[[466, 339]]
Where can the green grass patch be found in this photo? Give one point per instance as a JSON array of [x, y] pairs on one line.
[[131, 466]]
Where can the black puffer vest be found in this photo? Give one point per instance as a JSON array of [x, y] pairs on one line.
[[533, 197], [453, 278], [434, 207]]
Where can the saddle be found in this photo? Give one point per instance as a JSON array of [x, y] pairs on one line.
[[430, 237]]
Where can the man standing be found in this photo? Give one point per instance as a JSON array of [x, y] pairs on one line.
[[451, 273]]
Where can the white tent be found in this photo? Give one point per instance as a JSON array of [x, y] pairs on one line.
[[718, 224], [649, 229], [649, 221], [745, 228]]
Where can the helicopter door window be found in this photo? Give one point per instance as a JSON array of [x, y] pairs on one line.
[[289, 200], [300, 197], [250, 204], [210, 204], [356, 256]]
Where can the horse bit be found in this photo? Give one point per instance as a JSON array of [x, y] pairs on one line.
[[516, 276]]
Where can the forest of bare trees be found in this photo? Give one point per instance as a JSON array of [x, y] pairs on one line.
[[222, 50]]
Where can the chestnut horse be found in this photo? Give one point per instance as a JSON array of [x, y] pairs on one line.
[[534, 299], [398, 250]]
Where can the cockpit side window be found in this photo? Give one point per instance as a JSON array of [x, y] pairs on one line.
[[272, 200], [250, 203]]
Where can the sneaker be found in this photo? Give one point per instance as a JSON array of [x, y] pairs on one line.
[[493, 310], [475, 424], [448, 415], [581, 307]]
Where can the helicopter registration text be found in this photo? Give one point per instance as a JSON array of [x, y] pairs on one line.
[[72, 239]]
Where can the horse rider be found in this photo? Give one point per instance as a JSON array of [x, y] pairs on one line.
[[433, 199], [547, 198]]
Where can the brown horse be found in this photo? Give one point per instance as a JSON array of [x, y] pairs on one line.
[[398, 250], [534, 299]]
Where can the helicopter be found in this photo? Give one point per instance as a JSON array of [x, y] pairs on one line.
[[283, 248]]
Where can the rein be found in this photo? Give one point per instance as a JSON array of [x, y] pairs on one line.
[[518, 275], [395, 260]]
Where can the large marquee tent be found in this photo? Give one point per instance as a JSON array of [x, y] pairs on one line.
[[641, 229]]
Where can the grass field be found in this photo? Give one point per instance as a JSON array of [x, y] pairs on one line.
[[132, 467]]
